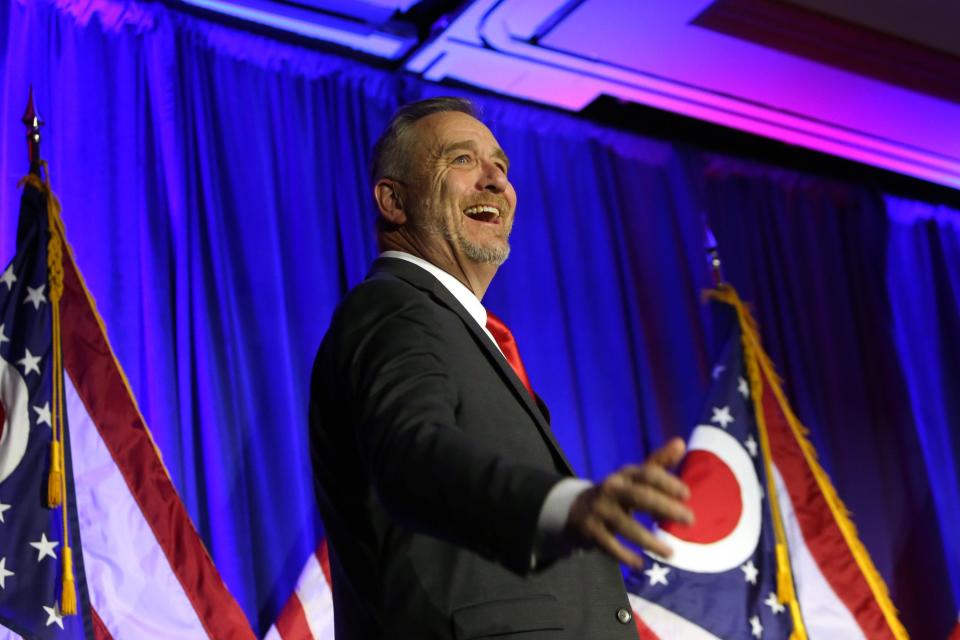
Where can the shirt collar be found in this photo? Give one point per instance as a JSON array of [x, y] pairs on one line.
[[456, 288]]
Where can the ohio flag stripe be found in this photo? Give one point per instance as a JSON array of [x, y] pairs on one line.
[[819, 536]]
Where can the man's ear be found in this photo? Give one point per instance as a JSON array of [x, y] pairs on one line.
[[389, 199]]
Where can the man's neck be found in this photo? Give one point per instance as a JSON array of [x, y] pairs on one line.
[[475, 276]]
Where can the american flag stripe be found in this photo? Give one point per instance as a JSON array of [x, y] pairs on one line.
[[308, 614], [292, 622], [100, 631], [166, 585], [645, 632], [659, 622]]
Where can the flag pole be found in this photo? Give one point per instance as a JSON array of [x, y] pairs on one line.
[[56, 481]]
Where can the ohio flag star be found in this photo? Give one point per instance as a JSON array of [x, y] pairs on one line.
[[657, 574], [756, 629], [3, 333], [8, 277], [43, 414], [30, 363], [35, 295], [4, 573], [743, 387], [3, 510], [44, 547], [750, 572], [751, 445], [721, 415], [773, 603], [54, 615]]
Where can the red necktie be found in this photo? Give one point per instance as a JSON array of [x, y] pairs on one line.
[[508, 346]]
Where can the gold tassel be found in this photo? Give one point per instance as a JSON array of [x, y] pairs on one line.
[[799, 631], [55, 479], [56, 482], [68, 599]]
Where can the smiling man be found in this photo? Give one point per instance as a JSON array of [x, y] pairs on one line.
[[443, 193], [450, 509]]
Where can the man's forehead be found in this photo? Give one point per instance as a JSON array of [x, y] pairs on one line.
[[447, 128]]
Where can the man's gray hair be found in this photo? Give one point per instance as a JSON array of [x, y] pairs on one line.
[[390, 152]]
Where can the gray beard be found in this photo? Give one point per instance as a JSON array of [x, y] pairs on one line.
[[496, 256], [476, 253]]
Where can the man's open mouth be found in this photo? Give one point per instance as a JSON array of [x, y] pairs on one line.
[[482, 213]]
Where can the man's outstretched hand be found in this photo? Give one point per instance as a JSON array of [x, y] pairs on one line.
[[603, 512]]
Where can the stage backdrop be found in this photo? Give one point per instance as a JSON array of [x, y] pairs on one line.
[[215, 191]]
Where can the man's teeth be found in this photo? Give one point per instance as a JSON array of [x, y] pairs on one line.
[[481, 210]]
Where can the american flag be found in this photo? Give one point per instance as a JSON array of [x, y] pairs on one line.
[[141, 570], [773, 553], [308, 613]]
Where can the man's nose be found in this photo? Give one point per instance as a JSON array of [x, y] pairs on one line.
[[493, 178]]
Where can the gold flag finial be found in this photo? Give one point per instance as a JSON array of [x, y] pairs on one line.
[[31, 119]]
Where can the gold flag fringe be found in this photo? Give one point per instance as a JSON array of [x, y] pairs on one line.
[[56, 481], [759, 366]]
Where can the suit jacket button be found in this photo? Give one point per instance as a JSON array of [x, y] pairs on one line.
[[624, 616]]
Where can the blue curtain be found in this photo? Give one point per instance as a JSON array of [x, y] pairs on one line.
[[923, 276], [215, 193]]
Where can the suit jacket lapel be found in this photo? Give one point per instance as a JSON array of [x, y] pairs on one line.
[[421, 279]]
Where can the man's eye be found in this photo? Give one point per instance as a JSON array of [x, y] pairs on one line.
[[463, 159]]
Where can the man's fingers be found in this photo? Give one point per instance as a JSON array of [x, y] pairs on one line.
[[669, 455], [590, 524], [633, 496], [659, 505], [608, 543], [639, 535], [596, 519], [658, 477]]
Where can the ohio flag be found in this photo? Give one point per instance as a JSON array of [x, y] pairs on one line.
[[773, 553], [105, 534]]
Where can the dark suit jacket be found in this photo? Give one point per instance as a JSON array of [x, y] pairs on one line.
[[432, 463]]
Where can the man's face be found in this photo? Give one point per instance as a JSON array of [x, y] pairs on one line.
[[459, 192]]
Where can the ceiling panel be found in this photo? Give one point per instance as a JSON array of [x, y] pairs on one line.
[[930, 23], [568, 54]]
